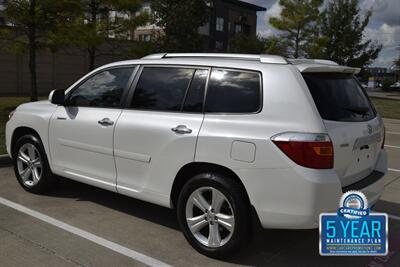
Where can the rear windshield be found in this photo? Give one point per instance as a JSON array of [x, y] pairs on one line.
[[339, 97]]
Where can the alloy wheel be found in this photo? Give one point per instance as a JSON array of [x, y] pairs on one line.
[[29, 164], [210, 217]]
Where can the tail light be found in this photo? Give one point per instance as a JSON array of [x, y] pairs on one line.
[[306, 149], [383, 138]]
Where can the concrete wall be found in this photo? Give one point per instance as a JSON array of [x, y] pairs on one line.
[[54, 71]]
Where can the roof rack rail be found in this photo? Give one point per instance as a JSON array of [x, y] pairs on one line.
[[296, 61], [273, 59]]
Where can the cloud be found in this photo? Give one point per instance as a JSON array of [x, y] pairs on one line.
[[273, 11], [383, 11], [389, 37], [384, 25]]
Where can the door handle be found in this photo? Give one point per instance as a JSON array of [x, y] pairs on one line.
[[106, 122], [181, 129]]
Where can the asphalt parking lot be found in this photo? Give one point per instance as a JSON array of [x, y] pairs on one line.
[[79, 225]]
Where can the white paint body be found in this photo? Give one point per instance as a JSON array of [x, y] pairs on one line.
[[140, 156]]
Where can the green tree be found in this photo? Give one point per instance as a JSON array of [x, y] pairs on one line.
[[258, 45], [35, 25], [341, 35], [102, 19], [276, 46], [180, 21], [246, 44], [297, 22]]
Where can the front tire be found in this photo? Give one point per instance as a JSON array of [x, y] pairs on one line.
[[31, 166], [214, 215]]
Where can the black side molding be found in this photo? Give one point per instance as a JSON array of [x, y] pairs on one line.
[[370, 179]]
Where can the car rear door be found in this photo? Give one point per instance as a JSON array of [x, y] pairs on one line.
[[352, 123], [156, 133], [81, 132]]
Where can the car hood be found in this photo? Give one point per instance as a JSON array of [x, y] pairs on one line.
[[43, 105]]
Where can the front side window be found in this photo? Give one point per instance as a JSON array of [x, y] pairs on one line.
[[162, 88], [104, 89], [232, 91]]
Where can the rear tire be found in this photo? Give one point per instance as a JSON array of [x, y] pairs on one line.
[[31, 166], [214, 214]]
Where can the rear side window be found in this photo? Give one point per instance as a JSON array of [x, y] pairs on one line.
[[232, 91], [170, 89], [339, 97]]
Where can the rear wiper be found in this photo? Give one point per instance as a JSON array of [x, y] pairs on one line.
[[358, 110]]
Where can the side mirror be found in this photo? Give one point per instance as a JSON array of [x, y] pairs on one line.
[[57, 97]]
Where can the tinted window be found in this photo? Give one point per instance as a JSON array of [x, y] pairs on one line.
[[195, 94], [161, 88], [105, 89], [339, 97], [233, 92]]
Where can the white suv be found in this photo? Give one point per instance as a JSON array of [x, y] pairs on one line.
[[222, 138]]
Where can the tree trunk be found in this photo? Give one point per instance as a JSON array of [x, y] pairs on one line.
[[91, 48], [297, 44], [32, 52], [92, 57]]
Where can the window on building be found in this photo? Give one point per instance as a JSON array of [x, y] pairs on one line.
[[238, 28], [233, 91], [219, 45], [219, 24], [241, 28], [144, 37]]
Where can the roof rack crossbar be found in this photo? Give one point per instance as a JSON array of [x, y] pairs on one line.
[[262, 58], [297, 61]]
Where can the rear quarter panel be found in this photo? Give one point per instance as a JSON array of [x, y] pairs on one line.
[[287, 106]]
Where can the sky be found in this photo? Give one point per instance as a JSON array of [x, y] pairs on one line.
[[384, 25]]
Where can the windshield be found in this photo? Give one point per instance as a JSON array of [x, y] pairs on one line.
[[339, 97]]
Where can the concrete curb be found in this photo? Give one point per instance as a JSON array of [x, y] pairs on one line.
[[384, 97], [5, 160]]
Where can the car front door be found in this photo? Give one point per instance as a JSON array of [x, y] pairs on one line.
[[81, 132], [156, 134]]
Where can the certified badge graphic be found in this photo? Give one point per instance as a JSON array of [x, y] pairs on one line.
[[353, 230], [353, 205]]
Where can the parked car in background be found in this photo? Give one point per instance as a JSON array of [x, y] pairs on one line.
[[396, 85], [222, 138]]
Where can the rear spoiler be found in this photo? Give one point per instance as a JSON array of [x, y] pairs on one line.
[[327, 68]]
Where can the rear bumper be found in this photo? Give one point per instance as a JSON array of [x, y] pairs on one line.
[[293, 198]]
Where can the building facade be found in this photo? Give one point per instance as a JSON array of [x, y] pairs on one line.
[[228, 19]]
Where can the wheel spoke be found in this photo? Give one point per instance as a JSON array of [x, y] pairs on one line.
[[217, 200], [35, 175], [226, 221], [31, 152], [25, 174], [200, 202], [22, 156], [214, 237], [37, 163], [197, 223]]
